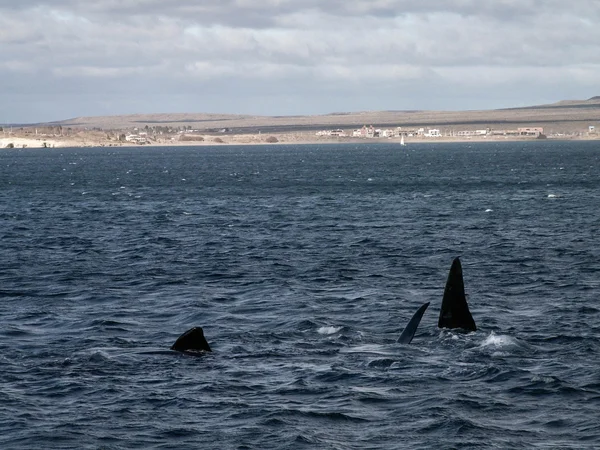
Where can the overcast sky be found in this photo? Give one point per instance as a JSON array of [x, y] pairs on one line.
[[66, 58]]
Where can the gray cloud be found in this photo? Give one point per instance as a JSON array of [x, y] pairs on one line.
[[292, 57]]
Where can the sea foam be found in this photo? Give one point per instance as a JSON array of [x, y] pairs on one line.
[[329, 330]]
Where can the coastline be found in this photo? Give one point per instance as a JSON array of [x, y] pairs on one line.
[[565, 120], [82, 141]]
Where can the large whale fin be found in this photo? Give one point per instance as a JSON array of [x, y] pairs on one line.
[[410, 330], [455, 311], [192, 340]]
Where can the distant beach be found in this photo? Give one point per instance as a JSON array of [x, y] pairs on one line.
[[82, 140]]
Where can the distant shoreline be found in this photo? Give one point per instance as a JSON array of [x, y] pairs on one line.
[[565, 120], [257, 139]]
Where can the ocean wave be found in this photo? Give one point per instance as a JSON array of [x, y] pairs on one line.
[[329, 330], [302, 281]]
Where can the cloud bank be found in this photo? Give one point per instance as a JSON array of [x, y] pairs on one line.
[[66, 58]]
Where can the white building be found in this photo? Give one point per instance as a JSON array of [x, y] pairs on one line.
[[136, 138], [337, 132], [433, 132]]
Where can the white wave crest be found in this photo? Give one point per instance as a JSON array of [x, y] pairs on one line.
[[329, 330], [498, 341]]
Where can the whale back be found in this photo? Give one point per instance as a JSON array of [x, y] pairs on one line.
[[192, 340]]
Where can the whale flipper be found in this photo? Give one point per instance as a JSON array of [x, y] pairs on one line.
[[192, 340], [411, 328], [455, 311]]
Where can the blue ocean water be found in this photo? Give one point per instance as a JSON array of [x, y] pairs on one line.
[[302, 264]]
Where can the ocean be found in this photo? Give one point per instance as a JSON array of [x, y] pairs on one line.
[[303, 264]]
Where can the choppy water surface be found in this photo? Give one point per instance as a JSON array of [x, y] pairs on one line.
[[303, 264]]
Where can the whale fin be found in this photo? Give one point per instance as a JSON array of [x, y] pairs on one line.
[[192, 340], [410, 330], [455, 310]]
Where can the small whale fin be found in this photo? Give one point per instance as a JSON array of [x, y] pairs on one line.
[[455, 310], [192, 340], [410, 330]]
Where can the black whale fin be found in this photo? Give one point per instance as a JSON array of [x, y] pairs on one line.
[[192, 340], [410, 330], [455, 311]]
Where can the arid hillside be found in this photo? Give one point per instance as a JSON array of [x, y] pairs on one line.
[[564, 116]]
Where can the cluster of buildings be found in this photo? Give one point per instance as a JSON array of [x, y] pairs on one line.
[[365, 132], [372, 132], [526, 131]]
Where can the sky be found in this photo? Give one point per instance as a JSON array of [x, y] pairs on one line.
[[61, 59]]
